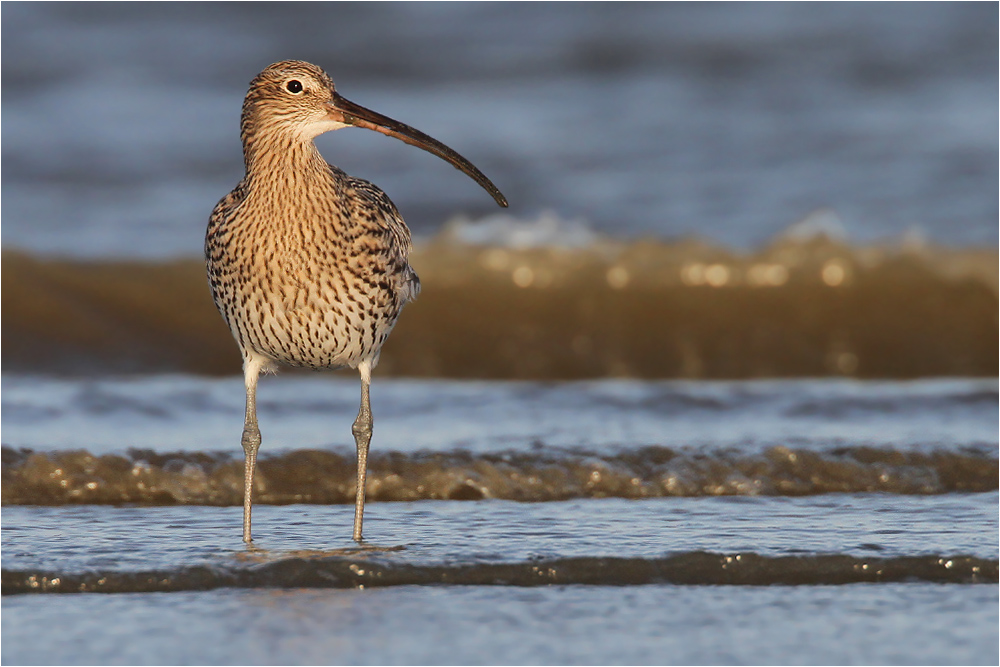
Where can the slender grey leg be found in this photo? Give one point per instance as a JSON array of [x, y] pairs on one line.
[[251, 443], [362, 437]]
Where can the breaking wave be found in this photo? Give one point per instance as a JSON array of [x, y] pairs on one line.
[[547, 474], [344, 570], [553, 300]]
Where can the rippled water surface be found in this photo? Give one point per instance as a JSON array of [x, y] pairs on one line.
[[857, 624], [606, 576], [190, 413], [78, 539]]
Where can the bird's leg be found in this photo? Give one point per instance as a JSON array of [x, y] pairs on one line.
[[362, 430], [251, 443]]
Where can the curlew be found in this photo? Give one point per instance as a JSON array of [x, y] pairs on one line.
[[308, 265]]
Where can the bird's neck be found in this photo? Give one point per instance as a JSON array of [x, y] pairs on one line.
[[290, 189], [282, 160]]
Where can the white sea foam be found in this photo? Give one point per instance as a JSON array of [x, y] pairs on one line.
[[504, 230]]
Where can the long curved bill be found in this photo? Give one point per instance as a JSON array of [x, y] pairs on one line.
[[344, 111]]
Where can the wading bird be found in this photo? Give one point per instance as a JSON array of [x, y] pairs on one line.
[[308, 265]]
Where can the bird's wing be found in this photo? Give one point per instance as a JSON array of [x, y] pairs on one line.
[[382, 220], [224, 210]]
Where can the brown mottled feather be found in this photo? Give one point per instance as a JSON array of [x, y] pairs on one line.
[[307, 265]]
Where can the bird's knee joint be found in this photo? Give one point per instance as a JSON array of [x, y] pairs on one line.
[[251, 440], [362, 429]]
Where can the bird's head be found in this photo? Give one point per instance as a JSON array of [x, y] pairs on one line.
[[297, 98], [291, 97]]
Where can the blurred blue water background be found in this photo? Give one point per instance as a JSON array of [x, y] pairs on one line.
[[731, 122]]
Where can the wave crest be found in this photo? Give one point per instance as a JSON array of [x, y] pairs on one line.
[[327, 477], [345, 571], [551, 300]]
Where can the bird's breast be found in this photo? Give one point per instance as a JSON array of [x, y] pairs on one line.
[[314, 298]]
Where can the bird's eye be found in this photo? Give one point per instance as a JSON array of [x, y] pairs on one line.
[[294, 86]]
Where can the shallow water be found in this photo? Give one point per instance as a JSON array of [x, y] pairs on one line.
[[855, 624], [276, 604], [307, 410], [83, 539], [601, 577]]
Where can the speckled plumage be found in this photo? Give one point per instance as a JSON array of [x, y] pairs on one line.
[[308, 265]]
